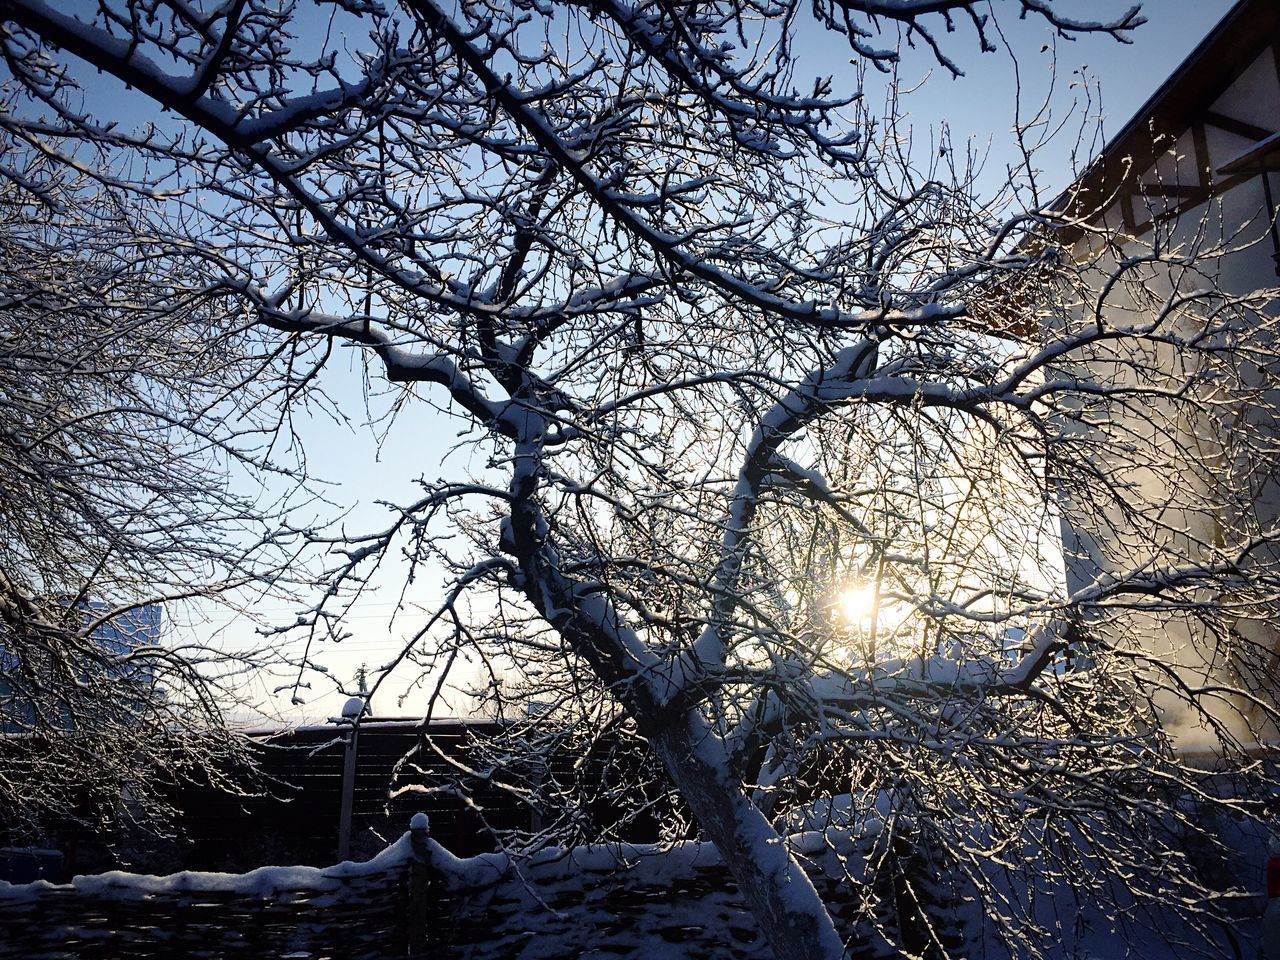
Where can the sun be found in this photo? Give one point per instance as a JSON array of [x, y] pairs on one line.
[[857, 604]]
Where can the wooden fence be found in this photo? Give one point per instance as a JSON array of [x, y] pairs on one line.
[[350, 911], [286, 805], [417, 900]]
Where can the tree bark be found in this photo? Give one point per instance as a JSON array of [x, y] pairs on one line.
[[787, 907]]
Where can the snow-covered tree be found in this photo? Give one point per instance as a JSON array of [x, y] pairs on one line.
[[118, 427], [754, 482]]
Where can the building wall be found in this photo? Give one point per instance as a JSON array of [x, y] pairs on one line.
[[138, 627], [1196, 489]]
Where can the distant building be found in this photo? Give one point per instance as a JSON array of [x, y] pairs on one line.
[[134, 628], [128, 631]]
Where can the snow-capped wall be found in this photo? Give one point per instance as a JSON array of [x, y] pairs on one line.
[[416, 899]]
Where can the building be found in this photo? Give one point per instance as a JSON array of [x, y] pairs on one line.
[[1208, 137], [1183, 199], [136, 627]]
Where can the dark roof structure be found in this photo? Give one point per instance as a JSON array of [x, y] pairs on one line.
[[1185, 102]]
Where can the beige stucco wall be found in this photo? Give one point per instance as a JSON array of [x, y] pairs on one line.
[[1197, 491]]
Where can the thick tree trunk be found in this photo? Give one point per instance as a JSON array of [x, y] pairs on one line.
[[790, 914], [783, 900]]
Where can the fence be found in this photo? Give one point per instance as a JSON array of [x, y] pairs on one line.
[[286, 808], [344, 912], [417, 900]]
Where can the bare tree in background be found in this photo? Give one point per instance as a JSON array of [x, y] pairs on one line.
[[119, 428], [754, 483]]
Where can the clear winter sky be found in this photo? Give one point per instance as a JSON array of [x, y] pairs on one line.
[[979, 105]]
